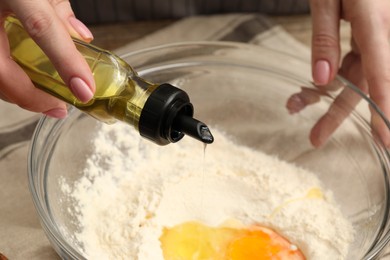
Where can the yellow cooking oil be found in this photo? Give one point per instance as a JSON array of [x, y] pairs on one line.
[[120, 93]]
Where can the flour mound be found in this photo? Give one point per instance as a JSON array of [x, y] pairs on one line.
[[132, 188]]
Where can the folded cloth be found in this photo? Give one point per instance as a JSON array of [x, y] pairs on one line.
[[21, 234]]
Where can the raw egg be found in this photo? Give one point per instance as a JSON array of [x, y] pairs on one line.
[[195, 241]]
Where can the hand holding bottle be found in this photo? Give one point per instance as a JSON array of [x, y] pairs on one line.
[[51, 24]]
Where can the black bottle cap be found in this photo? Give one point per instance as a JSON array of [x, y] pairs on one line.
[[167, 116]]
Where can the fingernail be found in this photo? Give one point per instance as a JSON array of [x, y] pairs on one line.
[[56, 113], [321, 73], [295, 104], [80, 89], [81, 29]]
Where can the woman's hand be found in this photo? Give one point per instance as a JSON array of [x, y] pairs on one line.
[[50, 23], [367, 65]]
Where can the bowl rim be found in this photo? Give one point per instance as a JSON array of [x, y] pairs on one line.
[[65, 250]]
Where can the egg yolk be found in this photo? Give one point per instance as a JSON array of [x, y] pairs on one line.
[[195, 241]]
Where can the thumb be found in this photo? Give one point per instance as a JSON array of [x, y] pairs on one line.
[[325, 40]]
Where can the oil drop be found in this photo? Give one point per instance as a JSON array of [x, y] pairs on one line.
[[202, 185]]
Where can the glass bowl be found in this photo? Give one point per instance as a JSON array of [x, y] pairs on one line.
[[243, 90]]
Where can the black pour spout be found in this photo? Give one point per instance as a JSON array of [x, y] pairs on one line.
[[194, 128], [168, 115]]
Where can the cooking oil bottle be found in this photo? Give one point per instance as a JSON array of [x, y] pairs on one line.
[[162, 113]]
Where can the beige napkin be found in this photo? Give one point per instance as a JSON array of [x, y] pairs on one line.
[[21, 236]]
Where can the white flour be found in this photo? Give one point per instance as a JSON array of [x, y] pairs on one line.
[[132, 188]]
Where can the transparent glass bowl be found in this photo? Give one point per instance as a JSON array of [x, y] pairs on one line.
[[232, 86]]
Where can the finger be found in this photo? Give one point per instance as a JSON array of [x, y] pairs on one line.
[[44, 26], [338, 111], [343, 104], [298, 101], [74, 26], [325, 40], [18, 89], [308, 96], [354, 47], [375, 55], [24, 94]]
